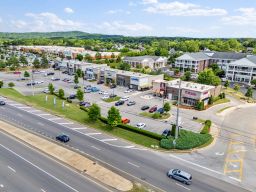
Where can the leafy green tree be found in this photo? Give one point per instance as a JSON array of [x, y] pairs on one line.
[[61, 93], [114, 117], [249, 92], [51, 88], [44, 62], [79, 72], [237, 87], [208, 77], [79, 57], [23, 60], [176, 71], [1, 84], [125, 66], [36, 63], [98, 56], [210, 101], [26, 74], [13, 62], [94, 112], [253, 82], [76, 80], [11, 84], [167, 107], [226, 84], [2, 64], [88, 57], [80, 95], [187, 76]]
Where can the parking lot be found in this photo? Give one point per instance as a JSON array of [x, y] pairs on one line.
[[130, 112]]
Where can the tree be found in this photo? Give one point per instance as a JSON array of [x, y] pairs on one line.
[[249, 92], [94, 112], [44, 62], [187, 76], [79, 72], [98, 56], [88, 57], [237, 87], [1, 84], [114, 117], [61, 93], [26, 74], [13, 62], [23, 60], [208, 77], [11, 84], [76, 80], [253, 82], [79, 57], [36, 63], [176, 71], [51, 88], [167, 107], [226, 84], [210, 101], [80, 95], [125, 66]]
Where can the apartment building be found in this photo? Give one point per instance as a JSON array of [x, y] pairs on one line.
[[242, 70], [153, 62]]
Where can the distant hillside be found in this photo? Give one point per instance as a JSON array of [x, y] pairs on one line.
[[68, 34]]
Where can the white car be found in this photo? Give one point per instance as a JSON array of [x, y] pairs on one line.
[[125, 98], [105, 97], [103, 92], [128, 91], [141, 125], [46, 90]]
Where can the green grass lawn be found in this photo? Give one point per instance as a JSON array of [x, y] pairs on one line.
[[223, 109], [199, 120], [150, 115], [109, 100], [221, 101], [73, 112]]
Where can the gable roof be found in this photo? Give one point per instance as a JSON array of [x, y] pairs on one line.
[[228, 55], [194, 56], [249, 61], [141, 58]]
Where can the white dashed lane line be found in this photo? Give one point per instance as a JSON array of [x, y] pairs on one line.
[[93, 134], [183, 186], [133, 164], [43, 114], [52, 119], [104, 140], [96, 148], [13, 170], [79, 128], [43, 190], [68, 123]]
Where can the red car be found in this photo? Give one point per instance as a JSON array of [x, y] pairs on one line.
[[152, 109], [16, 72]]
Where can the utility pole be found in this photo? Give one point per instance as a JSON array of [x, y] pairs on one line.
[[178, 112], [32, 82]]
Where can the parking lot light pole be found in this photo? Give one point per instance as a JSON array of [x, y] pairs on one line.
[[32, 80], [178, 112]]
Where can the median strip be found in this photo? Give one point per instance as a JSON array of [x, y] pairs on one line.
[[75, 160]]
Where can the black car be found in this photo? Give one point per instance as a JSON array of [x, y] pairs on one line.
[[100, 82], [145, 107], [166, 132], [77, 87], [63, 138], [119, 103], [50, 73], [112, 86], [130, 103], [71, 96], [64, 72], [112, 95], [2, 103], [30, 84]]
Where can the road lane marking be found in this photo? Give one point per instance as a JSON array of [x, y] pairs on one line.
[[13, 170], [183, 186], [92, 134], [31, 111], [43, 190], [51, 119], [68, 123], [43, 114], [24, 107], [104, 140], [37, 167], [128, 147], [234, 178], [17, 104], [96, 148], [1, 185], [133, 164], [79, 128]]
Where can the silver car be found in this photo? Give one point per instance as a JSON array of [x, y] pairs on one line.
[[181, 176]]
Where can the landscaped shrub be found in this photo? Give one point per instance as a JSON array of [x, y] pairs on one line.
[[210, 101], [166, 143], [222, 96], [156, 115], [84, 108], [200, 105], [207, 127]]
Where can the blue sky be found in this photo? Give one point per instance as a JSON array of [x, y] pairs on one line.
[[191, 18]]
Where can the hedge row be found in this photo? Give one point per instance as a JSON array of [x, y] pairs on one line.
[[167, 143], [207, 127], [84, 108]]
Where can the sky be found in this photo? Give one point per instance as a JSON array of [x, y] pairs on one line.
[[189, 18]]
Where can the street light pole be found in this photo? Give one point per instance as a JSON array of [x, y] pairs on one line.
[[178, 112]]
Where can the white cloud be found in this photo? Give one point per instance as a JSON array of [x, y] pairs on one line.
[[182, 31], [68, 10], [149, 1], [119, 27], [247, 16], [118, 11], [45, 22], [132, 4], [177, 8], [1, 20]]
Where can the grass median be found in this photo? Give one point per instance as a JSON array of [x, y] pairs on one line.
[[72, 111]]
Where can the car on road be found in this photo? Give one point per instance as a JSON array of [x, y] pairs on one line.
[[140, 125], [100, 82], [130, 103], [17, 72], [66, 79], [30, 84], [145, 107], [166, 132], [105, 97], [118, 103], [21, 79], [160, 110], [77, 87], [48, 74], [72, 96], [153, 109], [128, 91], [125, 98], [125, 120], [63, 138], [2, 103], [180, 175], [85, 104], [39, 82], [70, 81], [55, 79]]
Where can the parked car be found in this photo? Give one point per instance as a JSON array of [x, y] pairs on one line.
[[46, 90], [128, 91], [100, 82], [120, 102], [112, 86], [48, 74], [77, 87], [94, 89], [141, 125], [145, 107], [21, 79], [105, 97], [166, 132], [125, 120], [130, 103], [63, 138], [66, 79], [125, 98], [153, 109], [72, 96], [39, 82], [103, 92], [55, 79], [87, 90], [160, 110], [30, 84], [70, 81], [112, 95], [17, 72], [2, 103], [64, 72], [179, 175], [85, 104]]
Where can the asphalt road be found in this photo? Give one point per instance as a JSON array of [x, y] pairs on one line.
[[22, 169], [148, 166]]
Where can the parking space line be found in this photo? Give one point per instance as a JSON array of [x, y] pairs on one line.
[[103, 140], [13, 170]]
